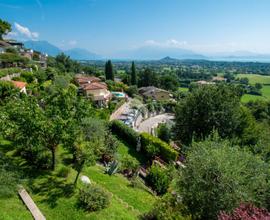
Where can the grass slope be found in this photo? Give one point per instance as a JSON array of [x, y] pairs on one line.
[[57, 200]]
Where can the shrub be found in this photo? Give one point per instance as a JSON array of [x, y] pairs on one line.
[[129, 165], [165, 150], [93, 198], [124, 132], [164, 132], [158, 179]]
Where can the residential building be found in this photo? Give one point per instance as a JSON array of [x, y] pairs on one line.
[[94, 88], [218, 79], [155, 93], [203, 82]]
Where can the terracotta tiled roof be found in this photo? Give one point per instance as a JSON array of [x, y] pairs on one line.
[[95, 86], [19, 84], [85, 79]]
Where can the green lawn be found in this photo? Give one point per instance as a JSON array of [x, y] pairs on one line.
[[120, 187], [57, 199], [247, 98], [183, 89]]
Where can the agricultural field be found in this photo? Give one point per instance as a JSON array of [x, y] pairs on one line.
[[253, 79]]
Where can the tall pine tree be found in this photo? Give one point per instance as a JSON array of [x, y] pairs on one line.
[[109, 74], [133, 74]]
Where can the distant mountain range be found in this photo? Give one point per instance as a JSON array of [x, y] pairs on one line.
[[156, 53], [50, 49], [149, 52]]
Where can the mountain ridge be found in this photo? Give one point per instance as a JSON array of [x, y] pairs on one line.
[[52, 50]]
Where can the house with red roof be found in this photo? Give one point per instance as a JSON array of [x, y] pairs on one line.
[[94, 88]]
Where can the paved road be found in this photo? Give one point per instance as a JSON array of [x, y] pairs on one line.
[[123, 109], [153, 122]]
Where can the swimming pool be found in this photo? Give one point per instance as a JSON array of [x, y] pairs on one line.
[[119, 94]]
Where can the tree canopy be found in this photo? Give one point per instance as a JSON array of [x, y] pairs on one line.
[[207, 108], [218, 177], [5, 27]]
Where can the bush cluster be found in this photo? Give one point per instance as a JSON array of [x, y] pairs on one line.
[[160, 147], [8, 71], [124, 132], [158, 179], [93, 198]]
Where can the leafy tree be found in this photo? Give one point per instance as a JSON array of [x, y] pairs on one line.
[[26, 125], [109, 74], [169, 82], [148, 78], [260, 110], [217, 178], [258, 86], [84, 155], [164, 132], [207, 108], [43, 123], [133, 74], [5, 27], [64, 64]]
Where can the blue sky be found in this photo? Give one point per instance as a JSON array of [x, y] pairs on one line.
[[105, 26]]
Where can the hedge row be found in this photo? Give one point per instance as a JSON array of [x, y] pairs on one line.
[[164, 149], [131, 137], [124, 132]]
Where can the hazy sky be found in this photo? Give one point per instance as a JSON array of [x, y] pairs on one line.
[[104, 26]]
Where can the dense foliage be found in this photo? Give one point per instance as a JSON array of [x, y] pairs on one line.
[[218, 177], [211, 107]]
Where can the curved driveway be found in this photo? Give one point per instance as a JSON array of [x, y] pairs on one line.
[[153, 122]]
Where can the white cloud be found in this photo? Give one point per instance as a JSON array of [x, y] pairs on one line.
[[169, 43], [26, 32]]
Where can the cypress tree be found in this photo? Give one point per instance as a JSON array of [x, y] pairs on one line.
[[133, 74], [109, 74]]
